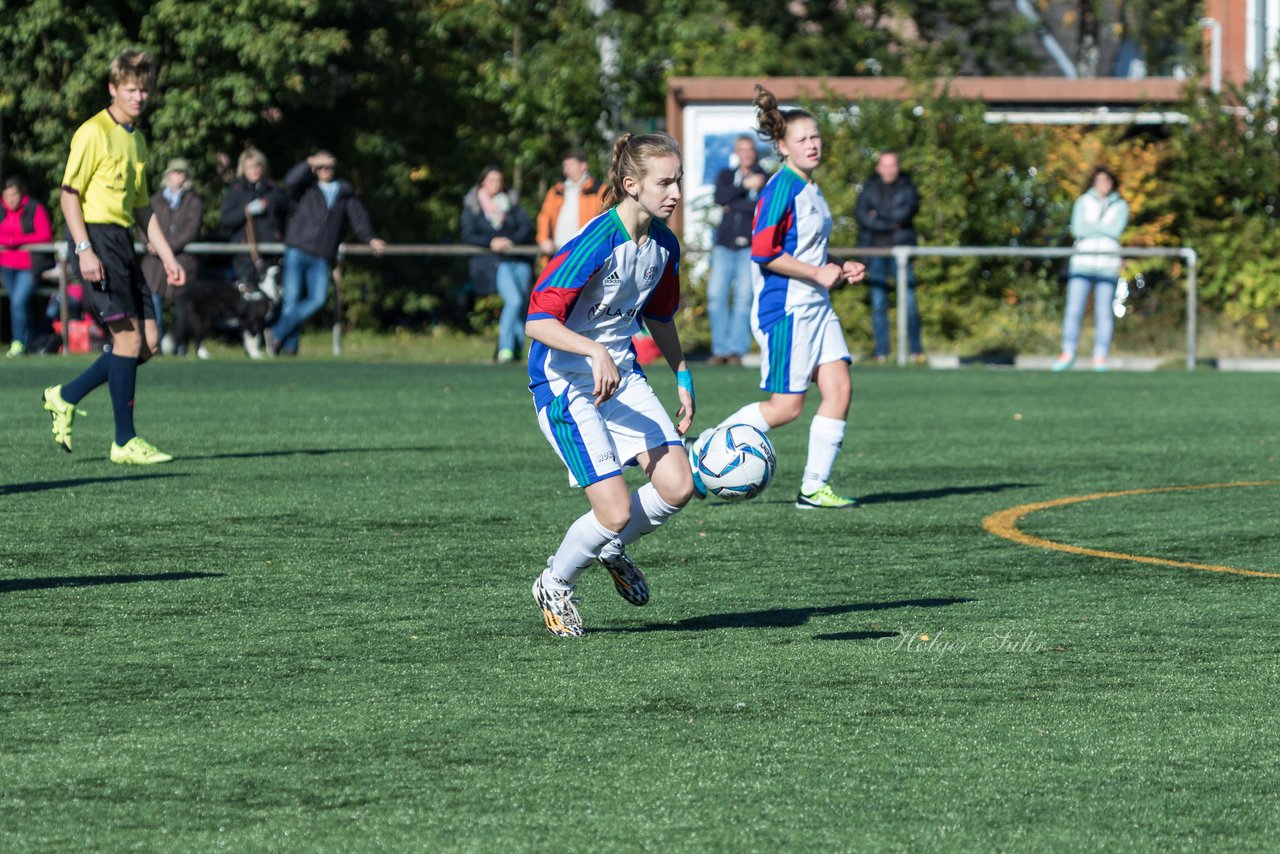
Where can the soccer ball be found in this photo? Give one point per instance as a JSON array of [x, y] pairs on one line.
[[735, 461]]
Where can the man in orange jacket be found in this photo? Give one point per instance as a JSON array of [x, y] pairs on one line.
[[568, 206]]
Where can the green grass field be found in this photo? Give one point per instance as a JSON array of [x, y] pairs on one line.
[[313, 630]]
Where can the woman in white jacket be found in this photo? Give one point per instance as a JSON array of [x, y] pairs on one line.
[[1098, 219]]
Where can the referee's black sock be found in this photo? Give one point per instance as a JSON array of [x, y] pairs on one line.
[[121, 380], [92, 377]]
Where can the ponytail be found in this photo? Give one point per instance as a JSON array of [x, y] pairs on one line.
[[771, 121], [629, 159]]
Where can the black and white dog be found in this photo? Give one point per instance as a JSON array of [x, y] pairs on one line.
[[206, 307]]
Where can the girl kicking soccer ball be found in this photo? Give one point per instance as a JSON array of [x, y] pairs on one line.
[[797, 329], [594, 404]]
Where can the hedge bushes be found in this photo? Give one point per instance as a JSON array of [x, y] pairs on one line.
[[1210, 184]]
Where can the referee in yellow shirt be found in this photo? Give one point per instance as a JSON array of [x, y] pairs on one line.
[[103, 196]]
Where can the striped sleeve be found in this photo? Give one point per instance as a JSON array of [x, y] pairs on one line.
[[569, 271], [665, 299], [775, 218]]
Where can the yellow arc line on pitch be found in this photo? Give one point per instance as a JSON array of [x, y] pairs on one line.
[[1005, 524]]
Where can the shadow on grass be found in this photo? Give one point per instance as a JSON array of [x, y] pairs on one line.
[[782, 618], [44, 485], [917, 495], [14, 585], [943, 492], [298, 452]]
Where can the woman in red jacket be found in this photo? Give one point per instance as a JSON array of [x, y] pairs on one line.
[[25, 221]]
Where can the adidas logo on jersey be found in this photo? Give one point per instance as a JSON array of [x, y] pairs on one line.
[[613, 279]]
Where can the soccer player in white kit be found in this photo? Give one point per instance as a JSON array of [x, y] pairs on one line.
[[799, 334], [593, 402]]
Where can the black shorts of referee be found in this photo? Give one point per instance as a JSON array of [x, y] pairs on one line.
[[123, 291]]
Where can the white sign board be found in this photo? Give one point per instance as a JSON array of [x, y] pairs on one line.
[[709, 134]]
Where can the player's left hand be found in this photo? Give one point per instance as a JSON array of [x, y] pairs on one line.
[[685, 412], [174, 274], [378, 246], [854, 271], [684, 389]]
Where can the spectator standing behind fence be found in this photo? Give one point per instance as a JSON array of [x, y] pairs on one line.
[[885, 210], [1098, 218], [179, 212], [320, 205], [252, 203], [569, 205], [729, 291], [493, 219], [25, 221]]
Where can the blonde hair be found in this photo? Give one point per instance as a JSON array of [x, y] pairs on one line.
[[132, 66], [771, 121], [630, 158], [252, 155]]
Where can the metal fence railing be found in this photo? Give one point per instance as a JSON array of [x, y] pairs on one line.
[[902, 256]]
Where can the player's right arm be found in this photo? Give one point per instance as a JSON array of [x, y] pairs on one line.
[[557, 336], [82, 162], [73, 213]]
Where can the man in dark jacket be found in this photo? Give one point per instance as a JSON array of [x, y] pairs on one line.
[[320, 206], [886, 207], [736, 192]]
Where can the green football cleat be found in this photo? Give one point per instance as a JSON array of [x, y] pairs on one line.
[[138, 452], [824, 498], [63, 415]]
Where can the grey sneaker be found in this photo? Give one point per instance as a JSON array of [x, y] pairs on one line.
[[627, 577], [559, 610]]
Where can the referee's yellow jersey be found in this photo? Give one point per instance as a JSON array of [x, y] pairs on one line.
[[107, 167]]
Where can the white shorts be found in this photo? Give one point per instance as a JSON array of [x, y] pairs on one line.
[[596, 443], [793, 348]]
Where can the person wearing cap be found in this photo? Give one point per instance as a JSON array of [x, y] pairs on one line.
[[179, 211]]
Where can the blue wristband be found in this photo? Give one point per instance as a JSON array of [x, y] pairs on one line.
[[684, 380]]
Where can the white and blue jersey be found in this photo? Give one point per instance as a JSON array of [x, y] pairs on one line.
[[792, 218], [793, 321], [600, 285]]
